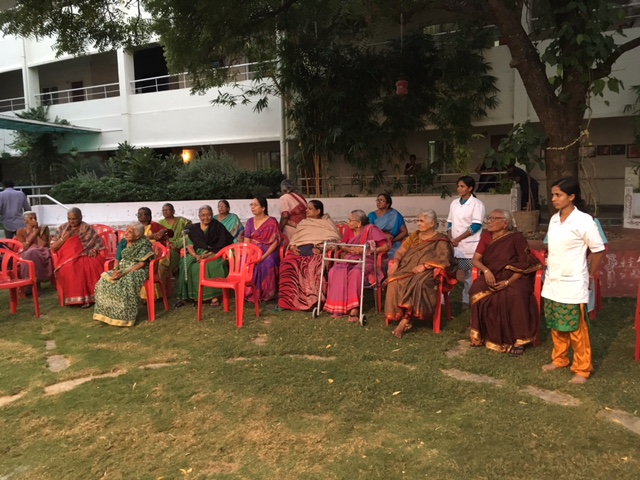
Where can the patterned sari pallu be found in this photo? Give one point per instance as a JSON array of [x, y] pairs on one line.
[[117, 301]]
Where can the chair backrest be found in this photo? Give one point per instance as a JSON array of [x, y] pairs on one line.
[[100, 228], [13, 245], [160, 252], [120, 235], [540, 255], [242, 258], [110, 242], [342, 229], [8, 264]]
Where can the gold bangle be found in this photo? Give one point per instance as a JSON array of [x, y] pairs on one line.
[[485, 270], [506, 283]]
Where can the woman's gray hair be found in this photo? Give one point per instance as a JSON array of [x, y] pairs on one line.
[[286, 186], [360, 216], [509, 216], [138, 229], [205, 207], [28, 214], [75, 211], [431, 216]]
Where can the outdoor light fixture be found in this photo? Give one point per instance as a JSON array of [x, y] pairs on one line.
[[188, 155]]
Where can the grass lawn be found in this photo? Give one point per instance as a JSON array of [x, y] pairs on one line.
[[289, 397]]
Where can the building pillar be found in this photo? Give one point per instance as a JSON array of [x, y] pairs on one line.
[[126, 75]]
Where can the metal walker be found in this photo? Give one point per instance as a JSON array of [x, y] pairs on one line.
[[367, 248]]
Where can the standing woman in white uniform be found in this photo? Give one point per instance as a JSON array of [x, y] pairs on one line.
[[464, 225], [569, 278]]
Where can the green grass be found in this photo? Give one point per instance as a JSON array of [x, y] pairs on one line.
[[230, 407]]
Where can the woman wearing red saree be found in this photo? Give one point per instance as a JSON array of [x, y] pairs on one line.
[[412, 291], [80, 260], [264, 232], [293, 208], [504, 311], [344, 284]]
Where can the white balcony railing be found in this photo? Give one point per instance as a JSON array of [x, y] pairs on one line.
[[83, 94], [240, 72], [12, 104]]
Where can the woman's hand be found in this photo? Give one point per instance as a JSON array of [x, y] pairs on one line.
[[419, 269], [393, 266], [92, 253], [294, 249], [500, 286], [116, 275], [489, 278], [454, 242]]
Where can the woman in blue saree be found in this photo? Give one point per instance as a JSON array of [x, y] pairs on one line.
[[389, 221]]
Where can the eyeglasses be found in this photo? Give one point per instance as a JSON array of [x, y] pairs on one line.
[[493, 219]]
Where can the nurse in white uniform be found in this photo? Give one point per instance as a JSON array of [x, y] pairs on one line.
[[464, 225]]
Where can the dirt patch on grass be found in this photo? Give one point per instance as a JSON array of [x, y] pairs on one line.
[[316, 358], [462, 348], [12, 398], [472, 377], [628, 421], [12, 352], [153, 366], [397, 364], [220, 468], [123, 347], [71, 384], [57, 363], [260, 340], [237, 360], [550, 396]]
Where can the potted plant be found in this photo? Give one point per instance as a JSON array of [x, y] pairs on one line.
[[522, 146]]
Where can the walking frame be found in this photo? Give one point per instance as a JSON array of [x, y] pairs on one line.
[[367, 248]]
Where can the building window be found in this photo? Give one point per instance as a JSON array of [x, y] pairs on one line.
[[268, 159]]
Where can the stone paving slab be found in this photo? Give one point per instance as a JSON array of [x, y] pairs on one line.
[[57, 363], [625, 419], [472, 377], [552, 396]]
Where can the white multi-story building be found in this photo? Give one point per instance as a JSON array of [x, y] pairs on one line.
[[131, 97]]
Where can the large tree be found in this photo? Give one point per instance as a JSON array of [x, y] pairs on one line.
[[577, 41]]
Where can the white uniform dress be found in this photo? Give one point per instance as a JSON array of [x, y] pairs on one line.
[[567, 276], [461, 216]]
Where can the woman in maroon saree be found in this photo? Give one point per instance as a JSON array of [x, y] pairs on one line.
[[344, 284], [36, 242], [80, 260], [264, 232], [504, 312]]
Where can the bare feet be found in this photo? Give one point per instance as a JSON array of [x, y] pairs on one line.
[[550, 367], [215, 302], [403, 326], [354, 317], [578, 380]]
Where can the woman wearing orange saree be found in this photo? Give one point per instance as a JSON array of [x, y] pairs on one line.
[[504, 311], [80, 260], [411, 288]]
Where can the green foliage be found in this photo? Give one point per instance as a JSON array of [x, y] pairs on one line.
[[634, 108], [143, 165], [522, 145], [105, 189]]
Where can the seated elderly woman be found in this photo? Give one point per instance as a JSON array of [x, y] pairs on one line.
[[80, 260], [504, 312], [411, 287], [118, 290], [35, 241], [300, 268], [344, 284], [293, 207], [204, 240]]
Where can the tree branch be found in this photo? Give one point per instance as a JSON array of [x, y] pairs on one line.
[[604, 69]]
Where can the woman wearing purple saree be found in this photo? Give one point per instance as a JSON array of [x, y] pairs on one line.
[[35, 240], [345, 279], [264, 232]]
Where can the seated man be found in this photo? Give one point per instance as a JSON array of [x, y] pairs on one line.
[[523, 179]]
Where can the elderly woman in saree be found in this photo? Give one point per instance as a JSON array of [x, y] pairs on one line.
[[412, 291], [80, 259], [118, 290], [263, 231], [300, 268], [504, 311], [230, 221], [177, 226], [36, 243], [204, 240], [389, 221], [293, 208], [344, 284]]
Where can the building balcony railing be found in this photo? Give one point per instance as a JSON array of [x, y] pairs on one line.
[[95, 92], [12, 104], [239, 73]]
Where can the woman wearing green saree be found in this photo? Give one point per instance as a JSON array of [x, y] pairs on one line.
[[177, 225], [205, 239], [230, 221], [117, 292]]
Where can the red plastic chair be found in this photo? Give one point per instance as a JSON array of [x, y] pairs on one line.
[[110, 242], [242, 258], [160, 252], [9, 281], [445, 285], [100, 228], [14, 245], [638, 325]]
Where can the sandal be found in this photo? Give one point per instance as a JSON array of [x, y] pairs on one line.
[[516, 351], [215, 302], [354, 318]]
